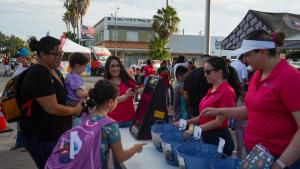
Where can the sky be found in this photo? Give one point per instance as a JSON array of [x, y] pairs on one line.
[[25, 18]]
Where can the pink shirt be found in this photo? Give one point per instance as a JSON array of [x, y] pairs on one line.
[[224, 96], [269, 104], [124, 110]]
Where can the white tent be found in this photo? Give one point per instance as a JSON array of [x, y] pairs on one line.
[[70, 47]]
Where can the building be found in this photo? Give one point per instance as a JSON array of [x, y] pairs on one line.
[[130, 38], [125, 37], [192, 46]]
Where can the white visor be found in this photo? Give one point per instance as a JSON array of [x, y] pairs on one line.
[[249, 45]]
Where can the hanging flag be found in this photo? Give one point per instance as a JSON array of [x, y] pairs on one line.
[[87, 30]]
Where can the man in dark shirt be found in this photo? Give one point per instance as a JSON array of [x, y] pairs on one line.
[[195, 87]]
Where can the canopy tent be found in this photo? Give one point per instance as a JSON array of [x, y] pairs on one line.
[[70, 47], [271, 22], [101, 51]]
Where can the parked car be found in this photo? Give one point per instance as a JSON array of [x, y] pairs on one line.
[[97, 68]]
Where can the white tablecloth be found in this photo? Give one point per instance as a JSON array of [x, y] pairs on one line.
[[149, 158]]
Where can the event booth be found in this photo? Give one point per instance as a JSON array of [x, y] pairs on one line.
[[271, 22]]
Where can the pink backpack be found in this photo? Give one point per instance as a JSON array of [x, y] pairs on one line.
[[86, 151]]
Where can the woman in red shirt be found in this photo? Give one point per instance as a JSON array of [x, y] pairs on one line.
[[272, 101], [224, 93], [115, 72]]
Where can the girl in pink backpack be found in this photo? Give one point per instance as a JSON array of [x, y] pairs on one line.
[[97, 135]]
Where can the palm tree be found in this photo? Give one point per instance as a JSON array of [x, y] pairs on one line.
[[66, 19], [166, 22], [82, 6], [74, 15]]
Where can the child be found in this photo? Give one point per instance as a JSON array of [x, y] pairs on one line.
[[179, 104], [103, 99], [74, 82], [24, 60]]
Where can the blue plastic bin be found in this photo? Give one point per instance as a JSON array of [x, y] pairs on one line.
[[156, 130], [227, 163], [196, 155], [169, 142]]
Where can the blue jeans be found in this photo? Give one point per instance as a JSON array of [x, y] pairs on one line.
[[296, 165], [124, 124], [38, 150], [19, 139]]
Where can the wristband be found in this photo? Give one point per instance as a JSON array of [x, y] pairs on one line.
[[281, 164]]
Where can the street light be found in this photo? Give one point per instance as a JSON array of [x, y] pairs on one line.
[[207, 28], [115, 29]]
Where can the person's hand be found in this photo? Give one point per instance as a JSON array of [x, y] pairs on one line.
[[210, 112], [78, 108], [275, 166], [129, 92], [188, 133], [139, 147], [176, 124]]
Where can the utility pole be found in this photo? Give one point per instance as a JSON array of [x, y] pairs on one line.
[[167, 3], [207, 28], [116, 31]]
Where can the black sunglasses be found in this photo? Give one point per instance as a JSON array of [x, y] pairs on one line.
[[208, 71]]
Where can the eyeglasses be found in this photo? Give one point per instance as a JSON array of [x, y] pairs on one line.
[[208, 71], [56, 54]]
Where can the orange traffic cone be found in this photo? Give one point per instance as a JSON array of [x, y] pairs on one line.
[[3, 125]]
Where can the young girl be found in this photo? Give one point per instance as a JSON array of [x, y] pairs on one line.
[[103, 99], [74, 82]]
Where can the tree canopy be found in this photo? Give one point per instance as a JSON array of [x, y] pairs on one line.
[[10, 44]]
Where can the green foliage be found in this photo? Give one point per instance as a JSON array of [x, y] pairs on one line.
[[158, 49], [165, 24], [10, 44], [71, 35]]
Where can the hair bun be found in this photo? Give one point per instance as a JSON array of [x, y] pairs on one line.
[[91, 103], [92, 93], [278, 38], [33, 44]]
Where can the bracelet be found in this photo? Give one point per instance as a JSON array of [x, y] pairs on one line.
[[281, 164]]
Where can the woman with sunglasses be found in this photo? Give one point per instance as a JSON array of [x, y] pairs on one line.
[[272, 101], [223, 93], [44, 93]]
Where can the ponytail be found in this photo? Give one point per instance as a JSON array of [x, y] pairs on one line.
[[234, 81]]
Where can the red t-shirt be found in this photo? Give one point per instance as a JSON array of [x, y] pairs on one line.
[[165, 76], [224, 96], [269, 104], [149, 70], [124, 110]]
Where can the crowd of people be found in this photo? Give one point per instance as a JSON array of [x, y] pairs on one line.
[[259, 91]]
